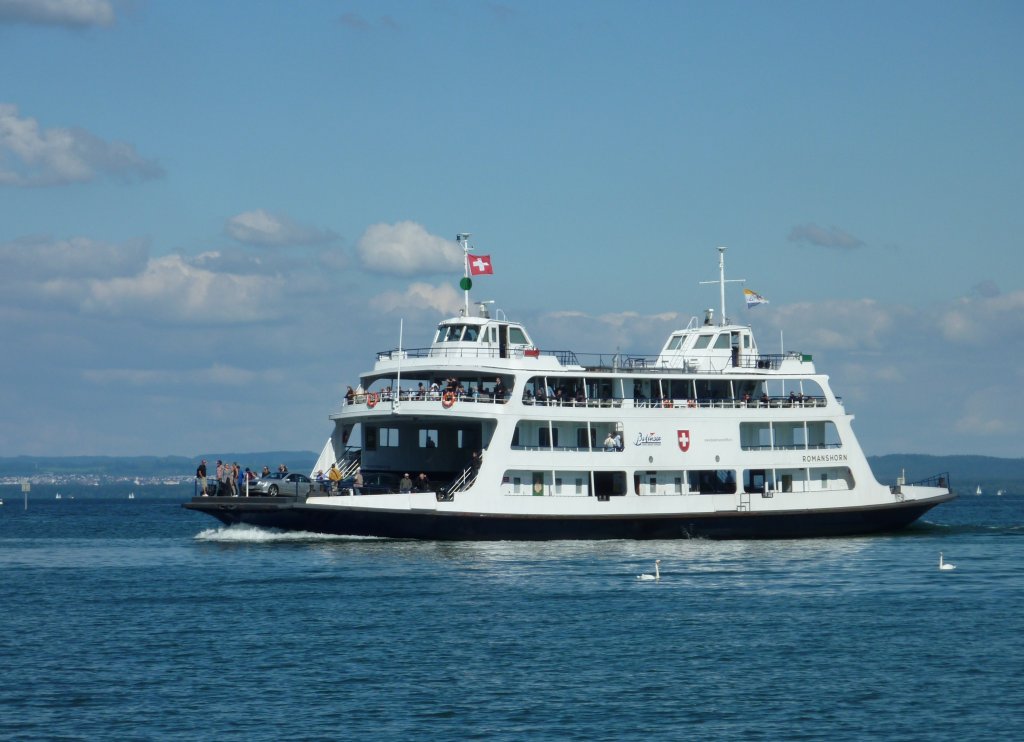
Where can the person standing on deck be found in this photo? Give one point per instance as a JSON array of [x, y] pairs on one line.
[[335, 476], [201, 477]]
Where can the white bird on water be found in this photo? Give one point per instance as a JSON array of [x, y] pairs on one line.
[[655, 576], [944, 564]]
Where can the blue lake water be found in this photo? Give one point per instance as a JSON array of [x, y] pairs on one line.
[[136, 619]]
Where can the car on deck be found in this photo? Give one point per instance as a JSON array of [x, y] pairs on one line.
[[281, 483]]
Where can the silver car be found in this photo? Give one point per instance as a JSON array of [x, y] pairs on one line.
[[285, 483]]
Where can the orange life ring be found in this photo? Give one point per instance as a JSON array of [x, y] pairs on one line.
[[447, 400], [371, 399]]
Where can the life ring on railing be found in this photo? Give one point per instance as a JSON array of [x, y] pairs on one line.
[[447, 400], [372, 399], [667, 403]]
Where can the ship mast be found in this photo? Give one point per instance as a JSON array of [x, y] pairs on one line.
[[723, 320], [466, 283]]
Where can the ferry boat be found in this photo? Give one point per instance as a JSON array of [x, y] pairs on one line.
[[486, 435]]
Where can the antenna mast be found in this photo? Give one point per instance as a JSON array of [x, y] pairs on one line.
[[722, 321]]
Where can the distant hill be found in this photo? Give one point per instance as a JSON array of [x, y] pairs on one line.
[[147, 466], [965, 472]]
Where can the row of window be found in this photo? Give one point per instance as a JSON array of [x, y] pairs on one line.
[[677, 482], [581, 435]]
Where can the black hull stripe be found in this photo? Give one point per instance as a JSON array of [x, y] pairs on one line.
[[475, 527]]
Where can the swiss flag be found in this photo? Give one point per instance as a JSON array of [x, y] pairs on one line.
[[481, 265]]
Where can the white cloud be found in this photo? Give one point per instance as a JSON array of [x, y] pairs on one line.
[[262, 227], [216, 374], [982, 321], [41, 258], [75, 13], [170, 289], [857, 323], [443, 299], [833, 237], [985, 413], [405, 249], [30, 156]]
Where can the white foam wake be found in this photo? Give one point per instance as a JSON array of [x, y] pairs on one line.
[[247, 534]]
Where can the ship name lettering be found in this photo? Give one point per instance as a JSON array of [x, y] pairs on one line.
[[647, 439], [824, 457]]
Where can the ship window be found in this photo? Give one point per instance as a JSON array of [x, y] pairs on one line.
[[714, 481], [371, 439], [538, 483], [755, 436], [789, 436], [516, 336], [428, 438], [758, 480], [609, 484], [823, 434], [702, 342], [723, 341], [471, 333], [517, 485], [579, 485], [388, 438], [548, 437], [676, 342]]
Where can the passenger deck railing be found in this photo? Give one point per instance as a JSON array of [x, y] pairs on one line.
[[766, 402], [372, 399], [608, 362]]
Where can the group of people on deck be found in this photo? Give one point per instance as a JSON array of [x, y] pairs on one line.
[[230, 480], [613, 441], [497, 392]]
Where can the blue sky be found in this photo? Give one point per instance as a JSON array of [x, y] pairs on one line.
[[213, 214]]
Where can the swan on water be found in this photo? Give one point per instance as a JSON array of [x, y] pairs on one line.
[[944, 564], [655, 576]]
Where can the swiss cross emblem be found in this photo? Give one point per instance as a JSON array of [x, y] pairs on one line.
[[684, 440]]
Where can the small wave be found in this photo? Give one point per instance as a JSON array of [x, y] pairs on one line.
[[929, 528], [246, 534]]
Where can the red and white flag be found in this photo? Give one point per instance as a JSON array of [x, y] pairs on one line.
[[480, 265]]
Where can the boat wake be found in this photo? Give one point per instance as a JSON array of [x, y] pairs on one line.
[[246, 534]]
